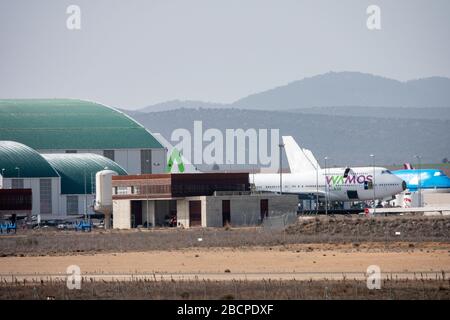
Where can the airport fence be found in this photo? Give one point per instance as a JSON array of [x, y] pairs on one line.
[[277, 221]]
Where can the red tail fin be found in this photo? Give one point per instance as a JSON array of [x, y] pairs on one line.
[[407, 166]]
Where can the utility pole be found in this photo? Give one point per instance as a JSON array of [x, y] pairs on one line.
[[253, 169], [92, 192], [373, 183], [3, 178], [92, 183], [85, 197], [281, 145], [146, 192], [326, 187], [317, 189], [419, 185]]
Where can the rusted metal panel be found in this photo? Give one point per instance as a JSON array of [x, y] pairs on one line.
[[183, 185], [210, 177], [141, 196], [143, 176], [140, 182]]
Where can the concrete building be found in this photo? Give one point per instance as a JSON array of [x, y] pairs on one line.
[[61, 184], [76, 126], [193, 200]]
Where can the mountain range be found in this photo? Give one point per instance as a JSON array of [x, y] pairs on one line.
[[346, 139], [346, 116], [335, 89]]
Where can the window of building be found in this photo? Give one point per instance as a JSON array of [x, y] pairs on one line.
[[71, 151], [109, 154], [122, 190], [72, 204], [46, 195], [16, 183]]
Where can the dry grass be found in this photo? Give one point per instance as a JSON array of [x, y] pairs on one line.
[[376, 228], [185, 290], [316, 230]]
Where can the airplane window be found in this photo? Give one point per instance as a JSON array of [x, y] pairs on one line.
[[386, 172]]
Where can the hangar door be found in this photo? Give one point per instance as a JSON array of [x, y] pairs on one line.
[[195, 213]]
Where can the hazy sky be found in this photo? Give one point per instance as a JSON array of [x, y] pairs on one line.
[[130, 54]]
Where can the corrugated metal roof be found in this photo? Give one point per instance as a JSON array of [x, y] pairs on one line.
[[29, 162], [74, 168], [47, 124]]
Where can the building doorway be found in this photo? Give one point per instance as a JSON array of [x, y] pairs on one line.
[[226, 213], [136, 213], [195, 213], [264, 205]]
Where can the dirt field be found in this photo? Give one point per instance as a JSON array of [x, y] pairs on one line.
[[242, 263], [293, 261]]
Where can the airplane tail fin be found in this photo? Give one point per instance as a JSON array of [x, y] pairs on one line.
[[176, 162], [407, 166], [300, 160], [311, 158]]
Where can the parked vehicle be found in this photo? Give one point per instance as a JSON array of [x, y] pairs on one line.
[[83, 226], [7, 227]]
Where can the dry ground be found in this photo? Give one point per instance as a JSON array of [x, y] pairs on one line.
[[293, 261]]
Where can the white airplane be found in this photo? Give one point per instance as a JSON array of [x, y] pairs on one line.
[[338, 184]]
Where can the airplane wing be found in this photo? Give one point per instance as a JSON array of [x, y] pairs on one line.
[[298, 159]]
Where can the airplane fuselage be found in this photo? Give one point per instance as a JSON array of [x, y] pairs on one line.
[[338, 184], [424, 179]]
